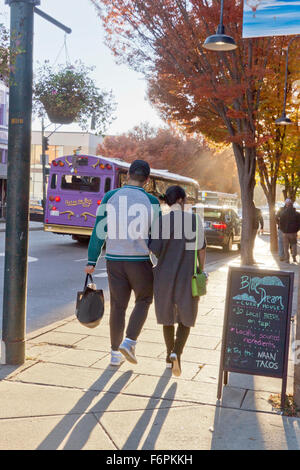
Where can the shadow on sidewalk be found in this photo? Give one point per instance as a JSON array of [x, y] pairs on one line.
[[138, 431], [236, 430], [160, 418], [83, 427]]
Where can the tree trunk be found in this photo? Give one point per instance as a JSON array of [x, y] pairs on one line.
[[246, 172], [273, 226], [247, 243], [289, 192]]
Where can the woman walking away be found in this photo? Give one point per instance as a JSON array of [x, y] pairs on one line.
[[173, 243]]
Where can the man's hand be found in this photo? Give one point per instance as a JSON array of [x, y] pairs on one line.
[[89, 269]]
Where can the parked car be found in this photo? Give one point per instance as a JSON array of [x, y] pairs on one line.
[[36, 212], [223, 227]]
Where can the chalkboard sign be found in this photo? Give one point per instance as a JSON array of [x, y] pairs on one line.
[[257, 323]]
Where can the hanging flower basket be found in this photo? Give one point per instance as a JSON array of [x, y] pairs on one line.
[[68, 95], [58, 117]]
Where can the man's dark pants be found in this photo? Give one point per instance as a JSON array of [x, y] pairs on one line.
[[123, 278]]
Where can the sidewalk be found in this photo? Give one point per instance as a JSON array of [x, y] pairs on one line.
[[67, 397], [32, 226]]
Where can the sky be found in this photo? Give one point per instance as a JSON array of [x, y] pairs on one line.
[[271, 18], [86, 42]]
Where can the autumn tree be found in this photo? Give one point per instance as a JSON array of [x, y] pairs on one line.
[[273, 138], [166, 149], [217, 94], [289, 172]]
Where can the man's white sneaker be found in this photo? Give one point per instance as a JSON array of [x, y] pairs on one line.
[[127, 348], [116, 358]]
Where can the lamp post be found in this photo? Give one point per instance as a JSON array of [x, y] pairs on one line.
[[18, 178], [220, 41], [284, 120]]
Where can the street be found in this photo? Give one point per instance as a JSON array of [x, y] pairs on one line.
[[55, 274]]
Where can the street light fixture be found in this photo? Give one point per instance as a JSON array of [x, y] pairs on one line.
[[220, 41], [283, 120]]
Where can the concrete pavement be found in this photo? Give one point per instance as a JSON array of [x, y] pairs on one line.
[[66, 396]]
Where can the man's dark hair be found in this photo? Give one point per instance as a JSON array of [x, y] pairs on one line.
[[139, 171]]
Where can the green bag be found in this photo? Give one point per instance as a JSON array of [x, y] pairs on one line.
[[199, 278]]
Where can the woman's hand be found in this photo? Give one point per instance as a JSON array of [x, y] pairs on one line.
[[89, 269]]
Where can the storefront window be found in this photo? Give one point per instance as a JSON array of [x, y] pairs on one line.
[[3, 155], [2, 108], [54, 151]]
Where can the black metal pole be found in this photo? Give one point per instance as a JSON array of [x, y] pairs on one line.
[[18, 180], [53, 20], [44, 166], [221, 29], [221, 12], [286, 75]]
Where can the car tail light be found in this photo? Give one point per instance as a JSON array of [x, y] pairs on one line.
[[51, 198], [219, 226], [99, 202], [57, 199], [54, 163]]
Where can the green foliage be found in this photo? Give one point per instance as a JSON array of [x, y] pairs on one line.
[[4, 54], [69, 91]]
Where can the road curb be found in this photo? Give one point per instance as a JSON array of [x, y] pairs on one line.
[[31, 229]]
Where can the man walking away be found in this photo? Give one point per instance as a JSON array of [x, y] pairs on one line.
[[289, 224], [258, 221], [280, 234], [124, 220]]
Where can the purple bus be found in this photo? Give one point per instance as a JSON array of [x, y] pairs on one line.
[[77, 184]]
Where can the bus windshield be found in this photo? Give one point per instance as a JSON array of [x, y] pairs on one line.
[[80, 183]]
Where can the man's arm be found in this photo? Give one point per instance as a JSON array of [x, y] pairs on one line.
[[98, 236], [96, 243]]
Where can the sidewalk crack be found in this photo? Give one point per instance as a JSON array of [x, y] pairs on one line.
[[105, 431]]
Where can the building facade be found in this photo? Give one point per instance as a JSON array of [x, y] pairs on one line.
[[4, 98], [60, 143]]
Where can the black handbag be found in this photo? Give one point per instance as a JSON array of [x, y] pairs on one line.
[[90, 304]]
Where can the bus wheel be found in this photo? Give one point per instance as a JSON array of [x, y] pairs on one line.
[[80, 239]]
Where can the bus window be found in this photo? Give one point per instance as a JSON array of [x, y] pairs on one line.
[[190, 191], [161, 186], [107, 185], [53, 181], [80, 183], [149, 186], [122, 179]]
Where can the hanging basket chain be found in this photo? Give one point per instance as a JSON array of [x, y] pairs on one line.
[[68, 60]]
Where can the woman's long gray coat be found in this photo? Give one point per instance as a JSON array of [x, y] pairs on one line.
[[173, 273]]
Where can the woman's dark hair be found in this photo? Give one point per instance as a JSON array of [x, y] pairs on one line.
[[174, 193]]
